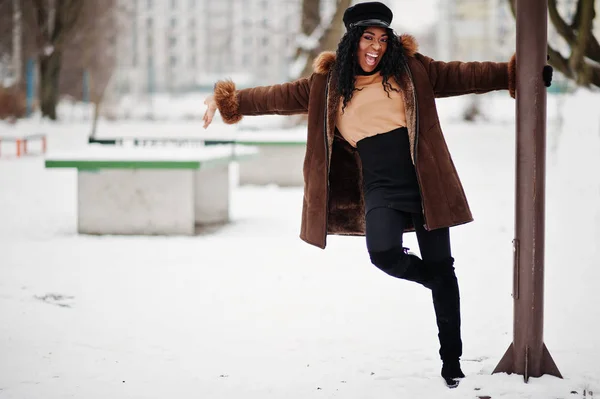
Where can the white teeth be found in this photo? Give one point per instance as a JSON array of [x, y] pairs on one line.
[[372, 55]]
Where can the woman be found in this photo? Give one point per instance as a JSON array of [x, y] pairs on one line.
[[376, 162]]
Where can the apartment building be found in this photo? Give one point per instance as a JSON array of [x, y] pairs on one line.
[[475, 30], [263, 43], [179, 45]]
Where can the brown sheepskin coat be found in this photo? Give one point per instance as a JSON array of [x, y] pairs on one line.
[[333, 197]]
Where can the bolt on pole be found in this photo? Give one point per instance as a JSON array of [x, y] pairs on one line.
[[528, 355]]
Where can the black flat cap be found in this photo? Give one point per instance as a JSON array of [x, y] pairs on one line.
[[372, 13]]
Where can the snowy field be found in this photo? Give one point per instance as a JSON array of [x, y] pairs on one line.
[[252, 312]]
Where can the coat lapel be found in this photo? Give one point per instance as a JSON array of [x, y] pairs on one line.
[[407, 88]]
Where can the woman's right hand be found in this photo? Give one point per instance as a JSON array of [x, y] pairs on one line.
[[211, 105]]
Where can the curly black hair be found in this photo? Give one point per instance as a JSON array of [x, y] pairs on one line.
[[347, 66]]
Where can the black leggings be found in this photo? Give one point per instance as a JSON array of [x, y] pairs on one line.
[[434, 270], [385, 227]]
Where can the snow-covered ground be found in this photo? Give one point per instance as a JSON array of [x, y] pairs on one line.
[[251, 311]]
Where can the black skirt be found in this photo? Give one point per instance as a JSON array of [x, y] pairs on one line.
[[389, 177]]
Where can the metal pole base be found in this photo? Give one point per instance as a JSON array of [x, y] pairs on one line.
[[509, 365]]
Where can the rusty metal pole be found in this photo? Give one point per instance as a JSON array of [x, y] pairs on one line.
[[528, 355]]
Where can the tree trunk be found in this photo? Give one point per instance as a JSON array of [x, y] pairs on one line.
[[311, 16], [97, 100], [97, 105], [17, 46], [311, 19], [578, 50], [330, 38], [336, 29], [49, 77]]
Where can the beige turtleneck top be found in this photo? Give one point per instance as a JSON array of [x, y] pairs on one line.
[[371, 111]]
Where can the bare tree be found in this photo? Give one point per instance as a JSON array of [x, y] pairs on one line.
[[583, 63], [90, 55], [12, 96], [53, 22], [71, 36], [318, 33], [103, 67], [17, 30], [6, 32]]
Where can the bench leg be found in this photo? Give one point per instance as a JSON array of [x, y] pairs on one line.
[[136, 202], [43, 145], [18, 143], [212, 195]]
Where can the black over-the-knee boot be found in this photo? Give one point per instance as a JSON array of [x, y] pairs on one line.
[[446, 302], [397, 263]]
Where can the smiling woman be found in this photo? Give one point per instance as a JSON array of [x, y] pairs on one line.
[[376, 163], [361, 86]]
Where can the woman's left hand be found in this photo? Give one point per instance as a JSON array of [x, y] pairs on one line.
[[547, 75]]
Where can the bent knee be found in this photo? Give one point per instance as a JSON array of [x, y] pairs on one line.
[[388, 259]]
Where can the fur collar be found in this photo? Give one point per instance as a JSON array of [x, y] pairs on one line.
[[324, 62]]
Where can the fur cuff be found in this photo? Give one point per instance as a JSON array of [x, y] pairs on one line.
[[512, 76], [227, 101]]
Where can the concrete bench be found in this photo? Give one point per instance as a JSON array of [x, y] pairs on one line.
[[279, 162], [280, 153], [21, 142], [150, 191]]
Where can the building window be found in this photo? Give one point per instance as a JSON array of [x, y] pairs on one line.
[[192, 3], [265, 23], [265, 5], [149, 4], [193, 60], [265, 41], [173, 60], [247, 40], [150, 60], [173, 23], [246, 60], [149, 23], [173, 4], [172, 41], [265, 59], [192, 23], [193, 41], [149, 42]]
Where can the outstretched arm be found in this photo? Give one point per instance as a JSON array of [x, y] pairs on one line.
[[283, 99], [457, 78]]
